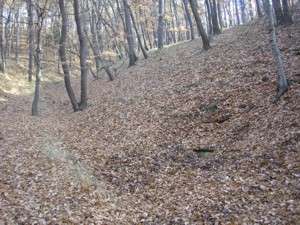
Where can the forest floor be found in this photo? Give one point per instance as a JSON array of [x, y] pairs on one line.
[[185, 137]]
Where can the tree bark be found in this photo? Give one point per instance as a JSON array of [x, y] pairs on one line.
[[137, 33], [221, 23], [287, 19], [17, 33], [63, 56], [205, 40], [160, 28], [83, 55], [30, 38], [209, 17], [243, 11], [38, 59], [189, 18], [129, 35], [237, 12], [2, 45], [258, 9], [278, 11], [216, 28], [282, 83]]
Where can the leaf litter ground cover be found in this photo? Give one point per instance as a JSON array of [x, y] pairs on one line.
[[185, 137]]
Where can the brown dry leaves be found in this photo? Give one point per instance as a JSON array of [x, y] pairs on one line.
[[133, 156]]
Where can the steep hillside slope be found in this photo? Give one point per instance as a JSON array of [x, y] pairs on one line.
[[185, 137]]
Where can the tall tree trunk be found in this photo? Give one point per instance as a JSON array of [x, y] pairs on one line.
[[216, 28], [38, 61], [258, 9], [189, 18], [243, 11], [172, 29], [177, 20], [237, 12], [95, 43], [287, 19], [205, 40], [2, 45], [7, 34], [30, 38], [17, 33], [129, 35], [160, 28], [209, 17], [83, 55], [63, 56], [137, 33], [225, 16], [250, 9], [221, 23], [282, 83], [278, 11], [229, 12]]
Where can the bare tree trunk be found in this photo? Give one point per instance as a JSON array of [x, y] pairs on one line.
[[229, 12], [216, 28], [278, 11], [287, 19], [38, 55], [2, 45], [243, 11], [221, 23], [7, 34], [177, 20], [83, 55], [209, 22], [17, 33], [258, 9], [129, 34], [237, 12], [205, 40], [95, 43], [160, 28], [189, 18], [225, 16], [63, 56], [282, 83], [250, 9], [137, 33], [30, 38]]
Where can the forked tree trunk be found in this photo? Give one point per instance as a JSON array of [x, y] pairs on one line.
[[63, 56], [205, 40]]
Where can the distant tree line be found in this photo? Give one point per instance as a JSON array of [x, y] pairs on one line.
[[91, 35]]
